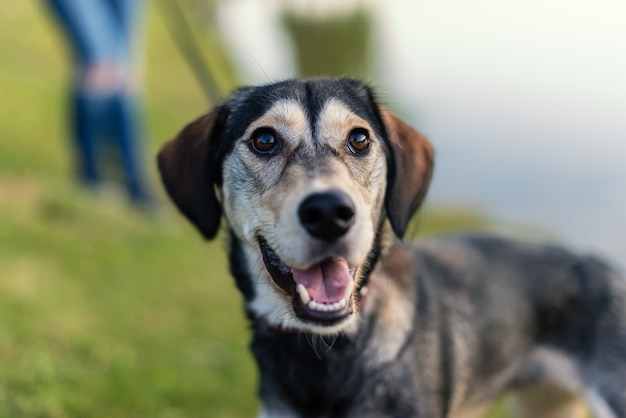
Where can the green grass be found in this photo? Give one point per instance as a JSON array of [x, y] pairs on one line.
[[107, 314], [104, 313]]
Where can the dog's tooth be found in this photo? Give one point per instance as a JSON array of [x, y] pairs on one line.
[[327, 307], [363, 291], [303, 293]]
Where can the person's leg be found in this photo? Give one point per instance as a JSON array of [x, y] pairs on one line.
[[128, 135], [90, 28], [87, 115], [129, 19], [91, 35], [126, 104]]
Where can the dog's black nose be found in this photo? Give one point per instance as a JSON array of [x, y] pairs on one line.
[[327, 215]]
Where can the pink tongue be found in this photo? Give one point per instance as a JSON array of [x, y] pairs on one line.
[[326, 281]]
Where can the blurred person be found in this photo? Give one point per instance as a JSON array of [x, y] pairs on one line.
[[102, 35]]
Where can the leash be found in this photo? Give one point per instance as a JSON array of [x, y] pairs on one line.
[[181, 32]]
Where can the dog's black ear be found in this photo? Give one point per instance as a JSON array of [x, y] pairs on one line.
[[189, 171], [410, 170]]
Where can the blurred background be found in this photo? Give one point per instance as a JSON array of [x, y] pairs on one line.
[[112, 308]]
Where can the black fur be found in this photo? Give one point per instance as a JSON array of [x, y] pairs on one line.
[[448, 323], [319, 378]]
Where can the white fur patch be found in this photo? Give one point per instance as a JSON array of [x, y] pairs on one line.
[[265, 413], [560, 368], [261, 197], [598, 405]]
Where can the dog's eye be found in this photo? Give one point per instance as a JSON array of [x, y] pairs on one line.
[[358, 141], [263, 141]]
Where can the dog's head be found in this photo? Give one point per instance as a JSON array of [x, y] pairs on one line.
[[308, 174]]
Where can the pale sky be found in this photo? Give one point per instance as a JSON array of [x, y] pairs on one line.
[[525, 101]]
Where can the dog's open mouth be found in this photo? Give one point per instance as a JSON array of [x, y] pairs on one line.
[[321, 294]]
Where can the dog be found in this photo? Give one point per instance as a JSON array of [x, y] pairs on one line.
[[317, 182]]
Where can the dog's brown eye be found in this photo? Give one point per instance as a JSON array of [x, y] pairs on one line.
[[263, 141], [358, 141]]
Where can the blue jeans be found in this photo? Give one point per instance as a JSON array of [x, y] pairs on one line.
[[102, 33]]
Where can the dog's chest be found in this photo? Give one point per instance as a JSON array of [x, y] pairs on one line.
[[313, 378]]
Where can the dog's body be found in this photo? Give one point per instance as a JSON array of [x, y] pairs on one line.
[[316, 180]]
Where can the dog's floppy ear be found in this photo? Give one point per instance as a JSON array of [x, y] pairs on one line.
[[189, 171], [410, 170]]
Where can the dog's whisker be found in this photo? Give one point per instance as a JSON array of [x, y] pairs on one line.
[[332, 339], [257, 63], [312, 339]]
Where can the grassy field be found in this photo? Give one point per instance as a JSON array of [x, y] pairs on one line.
[[104, 313]]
